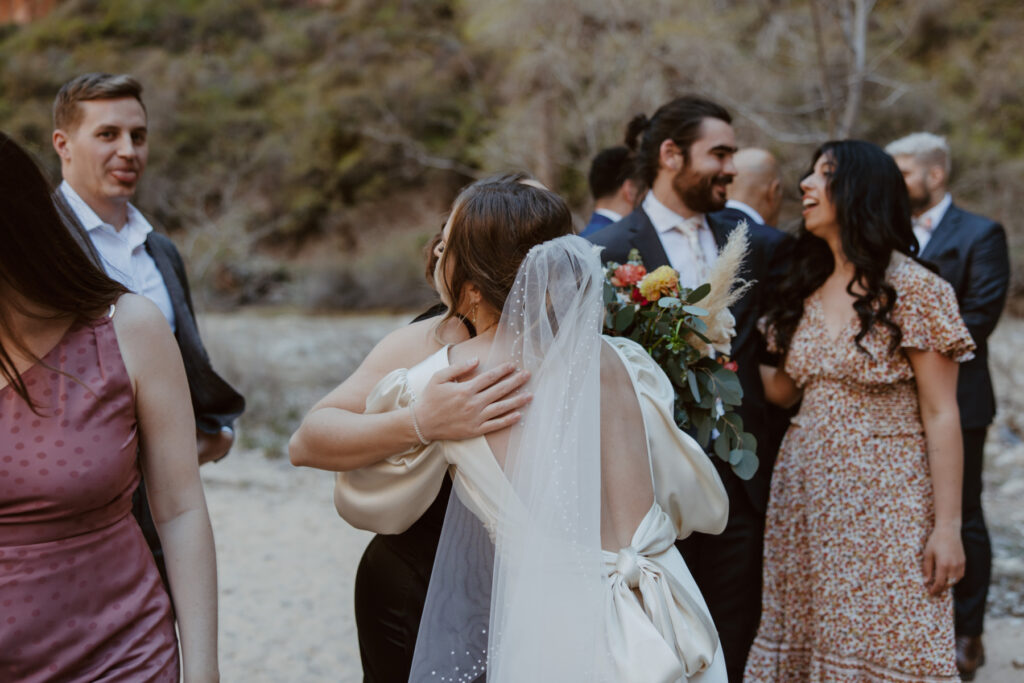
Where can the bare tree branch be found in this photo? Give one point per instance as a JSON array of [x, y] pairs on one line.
[[826, 87], [414, 150], [862, 9]]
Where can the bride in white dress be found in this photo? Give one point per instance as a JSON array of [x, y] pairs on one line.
[[557, 559]]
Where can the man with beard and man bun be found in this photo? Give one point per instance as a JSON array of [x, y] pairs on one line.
[[684, 157], [970, 252]]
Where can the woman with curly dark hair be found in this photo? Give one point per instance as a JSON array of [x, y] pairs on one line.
[[862, 543]]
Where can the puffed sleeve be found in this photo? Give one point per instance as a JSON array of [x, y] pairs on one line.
[[928, 314], [686, 484], [388, 496]]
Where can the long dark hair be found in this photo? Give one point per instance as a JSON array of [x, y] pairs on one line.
[[39, 259], [680, 121], [873, 213]]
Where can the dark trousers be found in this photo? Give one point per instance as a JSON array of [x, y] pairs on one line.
[[727, 569], [971, 592]]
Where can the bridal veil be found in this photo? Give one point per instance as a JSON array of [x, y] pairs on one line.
[[523, 596]]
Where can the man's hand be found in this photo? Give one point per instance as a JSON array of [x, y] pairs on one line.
[[214, 446]]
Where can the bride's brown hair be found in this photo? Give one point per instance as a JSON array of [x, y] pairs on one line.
[[494, 222]]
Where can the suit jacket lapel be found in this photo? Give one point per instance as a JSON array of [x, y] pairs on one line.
[[183, 323], [943, 233], [644, 238], [720, 229]]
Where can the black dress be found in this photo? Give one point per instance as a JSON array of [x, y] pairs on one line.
[[391, 587]]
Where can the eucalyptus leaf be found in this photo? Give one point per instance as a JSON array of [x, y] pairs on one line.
[[624, 318], [695, 310], [692, 379], [736, 456], [722, 448], [749, 442], [747, 467], [699, 326], [669, 302], [704, 425], [698, 294], [701, 336], [609, 293]]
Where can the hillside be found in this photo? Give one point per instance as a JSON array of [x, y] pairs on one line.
[[303, 151]]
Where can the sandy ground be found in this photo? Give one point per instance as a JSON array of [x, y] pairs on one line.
[[287, 562]]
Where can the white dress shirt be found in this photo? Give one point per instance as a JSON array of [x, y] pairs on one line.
[[745, 208], [692, 267], [124, 252], [608, 213], [925, 224]]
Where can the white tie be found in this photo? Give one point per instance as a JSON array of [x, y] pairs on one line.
[[690, 229]]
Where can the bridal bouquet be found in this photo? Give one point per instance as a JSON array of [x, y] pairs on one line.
[[689, 332]]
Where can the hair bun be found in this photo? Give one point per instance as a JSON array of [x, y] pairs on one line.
[[637, 125]]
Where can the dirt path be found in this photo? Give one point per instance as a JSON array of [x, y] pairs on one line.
[[286, 566]]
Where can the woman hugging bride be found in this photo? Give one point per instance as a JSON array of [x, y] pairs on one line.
[[556, 561]]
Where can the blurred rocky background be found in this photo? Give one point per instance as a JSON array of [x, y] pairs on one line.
[[303, 151]]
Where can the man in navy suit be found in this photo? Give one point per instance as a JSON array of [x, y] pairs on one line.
[[970, 252], [614, 192], [755, 194], [684, 157]]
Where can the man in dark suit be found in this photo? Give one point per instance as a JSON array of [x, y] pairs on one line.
[[614, 192], [684, 156], [755, 194], [100, 134], [970, 252]]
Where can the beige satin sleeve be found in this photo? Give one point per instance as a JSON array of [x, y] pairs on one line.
[[388, 496], [686, 484]]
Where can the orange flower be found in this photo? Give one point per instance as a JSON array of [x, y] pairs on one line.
[[628, 275], [663, 281]]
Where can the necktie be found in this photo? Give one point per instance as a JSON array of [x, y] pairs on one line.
[[690, 229], [923, 223]]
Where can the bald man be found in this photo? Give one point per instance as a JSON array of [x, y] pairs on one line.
[[756, 192]]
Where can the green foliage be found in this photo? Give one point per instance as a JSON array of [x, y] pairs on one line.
[[706, 390], [281, 123]]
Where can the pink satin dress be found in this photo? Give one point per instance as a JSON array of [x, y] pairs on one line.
[[80, 596]]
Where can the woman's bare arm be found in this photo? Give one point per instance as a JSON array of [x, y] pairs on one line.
[[337, 435], [936, 389], [779, 388], [170, 465]]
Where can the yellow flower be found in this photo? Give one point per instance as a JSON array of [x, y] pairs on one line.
[[660, 282]]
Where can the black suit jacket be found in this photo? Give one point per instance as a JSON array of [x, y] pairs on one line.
[[971, 254], [215, 403], [765, 422]]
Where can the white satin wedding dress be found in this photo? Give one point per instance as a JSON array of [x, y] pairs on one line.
[[643, 618]]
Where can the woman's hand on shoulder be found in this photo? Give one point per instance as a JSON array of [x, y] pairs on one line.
[[455, 406]]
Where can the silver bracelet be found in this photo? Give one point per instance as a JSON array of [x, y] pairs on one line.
[[416, 425]]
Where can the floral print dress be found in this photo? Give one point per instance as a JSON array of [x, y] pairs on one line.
[[851, 503]]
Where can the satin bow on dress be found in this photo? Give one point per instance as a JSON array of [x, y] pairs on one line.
[[654, 618], [658, 629]]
